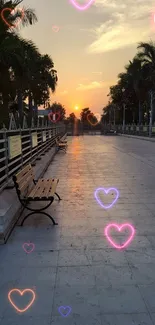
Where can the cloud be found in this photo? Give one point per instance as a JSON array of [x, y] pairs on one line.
[[92, 85], [65, 92], [125, 23]]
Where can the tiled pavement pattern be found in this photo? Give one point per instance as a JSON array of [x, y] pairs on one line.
[[73, 264]]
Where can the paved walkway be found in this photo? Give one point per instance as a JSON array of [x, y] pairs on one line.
[[73, 264]]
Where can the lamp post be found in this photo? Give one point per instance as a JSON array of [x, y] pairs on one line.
[[123, 90]]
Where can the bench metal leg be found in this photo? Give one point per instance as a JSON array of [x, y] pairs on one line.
[[35, 210], [58, 196], [46, 214], [63, 149]]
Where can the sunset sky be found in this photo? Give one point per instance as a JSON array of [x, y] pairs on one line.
[[91, 46]]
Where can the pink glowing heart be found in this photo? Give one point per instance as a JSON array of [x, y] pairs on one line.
[[52, 117], [119, 228], [55, 28], [82, 7], [28, 245]]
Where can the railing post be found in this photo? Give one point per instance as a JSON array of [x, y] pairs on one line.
[[151, 111], [21, 147], [6, 154], [30, 138], [123, 118]]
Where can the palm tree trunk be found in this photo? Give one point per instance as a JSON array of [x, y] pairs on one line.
[[36, 113], [140, 113], [20, 106], [30, 114]]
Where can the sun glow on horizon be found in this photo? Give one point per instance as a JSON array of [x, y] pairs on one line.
[[76, 108]]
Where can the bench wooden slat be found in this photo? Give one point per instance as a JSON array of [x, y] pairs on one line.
[[53, 188], [27, 176], [22, 172], [26, 185], [40, 191], [62, 144], [32, 194], [45, 188], [49, 184]]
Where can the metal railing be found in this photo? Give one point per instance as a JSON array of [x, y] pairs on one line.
[[142, 130], [30, 150]]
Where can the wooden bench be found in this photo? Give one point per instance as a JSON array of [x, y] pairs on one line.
[[30, 190], [61, 140], [61, 145]]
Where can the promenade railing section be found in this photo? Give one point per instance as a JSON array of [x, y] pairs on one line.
[[21, 146], [142, 130]]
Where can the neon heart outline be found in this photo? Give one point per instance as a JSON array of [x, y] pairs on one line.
[[28, 244], [65, 308], [106, 192], [21, 293], [119, 228], [77, 6], [53, 28], [91, 114], [5, 21], [51, 113]]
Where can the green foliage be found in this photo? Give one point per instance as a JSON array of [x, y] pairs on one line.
[[132, 88], [24, 72]]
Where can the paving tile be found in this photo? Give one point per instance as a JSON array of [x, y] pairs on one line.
[[118, 300], [144, 273], [106, 256], [107, 275], [151, 240], [147, 292], [141, 256], [9, 274], [72, 258], [139, 242], [80, 231], [37, 275], [33, 259], [153, 318], [82, 299], [127, 319], [77, 319], [75, 275], [70, 242], [25, 320]]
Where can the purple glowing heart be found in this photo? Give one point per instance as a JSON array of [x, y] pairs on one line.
[[80, 7], [62, 310], [106, 192]]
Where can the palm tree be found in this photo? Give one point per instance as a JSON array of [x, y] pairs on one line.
[[11, 56], [147, 55]]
